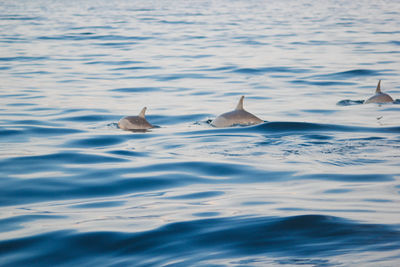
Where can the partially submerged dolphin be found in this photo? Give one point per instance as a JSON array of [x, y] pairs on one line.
[[135, 122], [379, 97], [239, 116]]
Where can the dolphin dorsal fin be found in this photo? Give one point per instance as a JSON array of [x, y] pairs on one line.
[[240, 104], [378, 88], [141, 114]]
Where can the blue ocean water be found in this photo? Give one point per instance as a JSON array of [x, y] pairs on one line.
[[317, 184]]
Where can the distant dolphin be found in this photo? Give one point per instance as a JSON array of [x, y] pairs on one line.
[[135, 122], [379, 97], [239, 116]]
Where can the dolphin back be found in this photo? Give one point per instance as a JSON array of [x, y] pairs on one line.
[[236, 117], [134, 123], [379, 98], [239, 116]]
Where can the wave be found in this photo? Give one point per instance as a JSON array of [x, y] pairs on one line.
[[322, 83], [311, 127], [138, 68], [176, 119], [352, 73], [269, 70], [18, 17], [91, 36], [111, 62], [295, 127], [23, 58], [176, 76], [306, 237], [97, 141], [137, 89], [89, 118], [36, 131], [349, 102], [84, 175]]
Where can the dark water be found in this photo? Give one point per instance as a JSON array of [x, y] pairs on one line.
[[317, 184]]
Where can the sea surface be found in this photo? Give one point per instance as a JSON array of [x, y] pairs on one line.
[[317, 184]]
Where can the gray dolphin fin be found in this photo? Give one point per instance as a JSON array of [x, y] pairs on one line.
[[240, 104], [141, 114], [378, 88]]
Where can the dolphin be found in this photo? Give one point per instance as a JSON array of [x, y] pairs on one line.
[[379, 97], [138, 122], [239, 116]]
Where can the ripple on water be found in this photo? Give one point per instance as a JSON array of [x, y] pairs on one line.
[[99, 205], [322, 83], [233, 237], [263, 70], [97, 141], [85, 37], [198, 195], [23, 58], [16, 222], [83, 181], [89, 118], [27, 164], [76, 190], [136, 89], [350, 177], [349, 102], [25, 132], [352, 74]]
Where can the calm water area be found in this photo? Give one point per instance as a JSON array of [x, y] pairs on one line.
[[316, 184]]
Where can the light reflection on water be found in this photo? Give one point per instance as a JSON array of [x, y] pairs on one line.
[[322, 170]]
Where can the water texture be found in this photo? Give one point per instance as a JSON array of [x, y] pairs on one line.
[[316, 184]]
